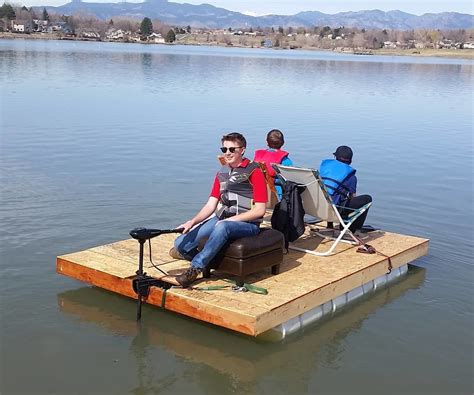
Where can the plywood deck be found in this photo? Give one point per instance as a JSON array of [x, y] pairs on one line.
[[305, 281]]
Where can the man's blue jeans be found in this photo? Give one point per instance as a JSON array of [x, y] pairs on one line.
[[219, 233]]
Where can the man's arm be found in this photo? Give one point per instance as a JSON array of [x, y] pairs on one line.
[[352, 185], [206, 211], [287, 161]]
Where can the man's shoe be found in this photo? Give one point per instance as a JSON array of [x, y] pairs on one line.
[[186, 278], [175, 254]]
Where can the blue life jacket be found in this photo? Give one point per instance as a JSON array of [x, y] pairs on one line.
[[334, 173]]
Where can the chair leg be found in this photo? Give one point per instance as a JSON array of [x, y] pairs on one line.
[[276, 269], [333, 245], [240, 282], [206, 273]]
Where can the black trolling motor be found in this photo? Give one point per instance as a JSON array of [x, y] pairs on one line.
[[142, 282]]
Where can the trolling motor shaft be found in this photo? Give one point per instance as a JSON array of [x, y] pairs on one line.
[[141, 283]]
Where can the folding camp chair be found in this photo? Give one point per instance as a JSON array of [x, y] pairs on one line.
[[318, 203]]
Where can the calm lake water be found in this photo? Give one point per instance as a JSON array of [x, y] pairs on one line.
[[98, 138]]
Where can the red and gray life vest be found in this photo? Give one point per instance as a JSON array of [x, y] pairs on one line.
[[236, 192], [269, 157]]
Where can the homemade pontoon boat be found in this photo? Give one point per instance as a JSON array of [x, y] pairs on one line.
[[318, 275]]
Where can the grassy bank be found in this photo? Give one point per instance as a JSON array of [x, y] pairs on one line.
[[442, 53]]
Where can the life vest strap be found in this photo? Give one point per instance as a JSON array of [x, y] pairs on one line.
[[340, 184]]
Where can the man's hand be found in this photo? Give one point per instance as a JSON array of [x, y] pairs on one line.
[[187, 226], [206, 211]]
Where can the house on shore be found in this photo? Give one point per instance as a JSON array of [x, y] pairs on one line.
[[156, 38], [389, 44], [40, 25], [91, 35], [22, 26], [60, 27]]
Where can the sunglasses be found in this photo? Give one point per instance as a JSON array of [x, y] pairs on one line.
[[231, 149]]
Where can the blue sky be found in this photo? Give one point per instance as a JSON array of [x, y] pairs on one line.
[[289, 7]]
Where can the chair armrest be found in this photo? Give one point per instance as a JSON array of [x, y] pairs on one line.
[[355, 211]]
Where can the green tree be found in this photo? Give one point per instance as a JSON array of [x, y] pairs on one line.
[[280, 29], [7, 11], [111, 22], [146, 27], [45, 15], [170, 36], [188, 28]]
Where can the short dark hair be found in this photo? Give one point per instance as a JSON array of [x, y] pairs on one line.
[[275, 139], [235, 137]]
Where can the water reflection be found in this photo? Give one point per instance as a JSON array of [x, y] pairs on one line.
[[241, 359], [176, 66]]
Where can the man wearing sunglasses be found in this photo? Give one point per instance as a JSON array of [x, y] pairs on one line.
[[235, 209]]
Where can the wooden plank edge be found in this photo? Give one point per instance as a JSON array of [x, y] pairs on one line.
[[330, 291], [173, 302]]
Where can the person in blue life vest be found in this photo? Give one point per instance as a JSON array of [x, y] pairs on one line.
[[235, 209], [341, 182], [274, 154]]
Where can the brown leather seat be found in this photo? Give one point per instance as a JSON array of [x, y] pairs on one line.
[[249, 255]]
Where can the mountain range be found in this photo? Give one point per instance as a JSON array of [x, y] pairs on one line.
[[206, 15]]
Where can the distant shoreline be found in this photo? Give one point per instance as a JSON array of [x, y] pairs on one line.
[[414, 52]]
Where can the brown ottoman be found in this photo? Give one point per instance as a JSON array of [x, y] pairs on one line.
[[249, 255]]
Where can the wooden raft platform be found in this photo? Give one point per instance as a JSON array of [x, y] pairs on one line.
[[305, 280]]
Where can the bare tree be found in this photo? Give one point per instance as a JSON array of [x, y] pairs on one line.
[[359, 41], [161, 27], [457, 35], [301, 40], [22, 14], [127, 24], [421, 35]]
